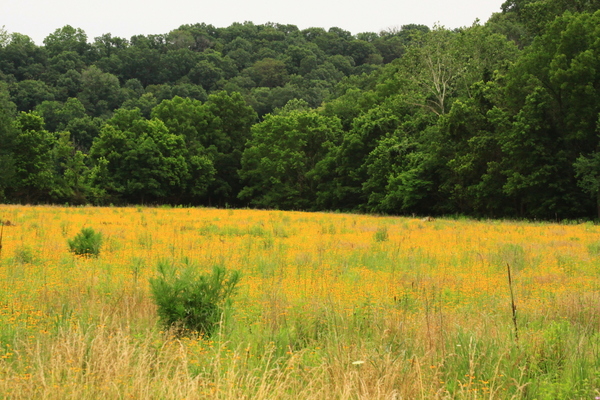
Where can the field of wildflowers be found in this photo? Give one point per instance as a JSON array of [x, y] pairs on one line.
[[330, 306]]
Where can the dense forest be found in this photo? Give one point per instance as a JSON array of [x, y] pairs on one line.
[[493, 120]]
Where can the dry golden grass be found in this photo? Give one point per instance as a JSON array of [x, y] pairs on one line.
[[330, 306]]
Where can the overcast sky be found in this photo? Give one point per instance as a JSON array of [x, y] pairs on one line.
[[125, 18]]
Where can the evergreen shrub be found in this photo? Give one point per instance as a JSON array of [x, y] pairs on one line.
[[86, 243], [192, 303]]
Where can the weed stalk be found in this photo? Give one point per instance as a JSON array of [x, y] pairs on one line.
[[1, 233], [513, 306]]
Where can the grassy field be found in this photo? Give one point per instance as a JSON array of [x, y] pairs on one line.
[[330, 306]]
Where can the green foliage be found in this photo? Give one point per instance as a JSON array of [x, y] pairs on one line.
[[189, 302], [139, 160], [33, 145], [587, 170], [7, 138], [551, 355], [381, 235], [594, 249], [66, 39], [57, 115], [100, 91], [489, 120], [280, 166], [512, 254], [25, 255], [215, 133], [72, 176], [86, 243], [29, 92]]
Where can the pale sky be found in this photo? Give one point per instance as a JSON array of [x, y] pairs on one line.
[[125, 18]]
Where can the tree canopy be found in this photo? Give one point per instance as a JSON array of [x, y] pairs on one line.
[[500, 119]]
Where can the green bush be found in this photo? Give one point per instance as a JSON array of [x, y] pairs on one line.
[[594, 248], [25, 255], [382, 234], [190, 303], [86, 243]]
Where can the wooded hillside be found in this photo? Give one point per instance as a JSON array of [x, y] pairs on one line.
[[492, 120]]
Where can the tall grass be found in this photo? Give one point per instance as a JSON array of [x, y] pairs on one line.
[[327, 307]]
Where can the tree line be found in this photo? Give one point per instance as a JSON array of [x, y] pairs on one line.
[[493, 120]]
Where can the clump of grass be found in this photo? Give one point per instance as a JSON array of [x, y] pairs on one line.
[[208, 229], [86, 243], [24, 255], [513, 254], [280, 230], [1, 234], [382, 234], [594, 248], [190, 303]]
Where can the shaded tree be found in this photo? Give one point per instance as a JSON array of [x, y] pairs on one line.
[[100, 91], [29, 93], [8, 138], [139, 160], [279, 165], [33, 159], [67, 39]]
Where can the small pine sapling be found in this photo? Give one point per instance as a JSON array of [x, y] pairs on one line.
[[86, 243], [190, 303]]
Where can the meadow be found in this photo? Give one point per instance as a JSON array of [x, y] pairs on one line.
[[329, 306]]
